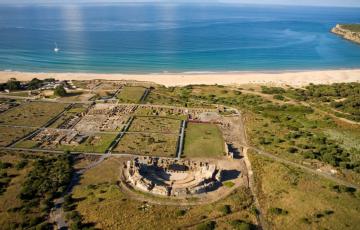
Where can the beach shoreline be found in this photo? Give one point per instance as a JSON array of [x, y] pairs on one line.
[[292, 78]]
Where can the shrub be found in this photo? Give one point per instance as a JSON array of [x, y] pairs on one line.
[[21, 164], [207, 226], [343, 188], [180, 212], [35, 221], [279, 97], [292, 150], [5, 165], [272, 90], [44, 226], [225, 209], [278, 211], [240, 225], [60, 91]]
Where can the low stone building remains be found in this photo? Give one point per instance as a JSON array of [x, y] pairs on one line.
[[105, 117], [53, 137]]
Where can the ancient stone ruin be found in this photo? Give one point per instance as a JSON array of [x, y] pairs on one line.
[[171, 177]]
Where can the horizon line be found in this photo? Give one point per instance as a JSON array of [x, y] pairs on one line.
[[171, 3]]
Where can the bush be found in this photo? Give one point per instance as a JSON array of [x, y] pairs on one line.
[[272, 90], [180, 212], [44, 226], [241, 225], [278, 211], [225, 209], [60, 91], [279, 97], [343, 188], [35, 221], [207, 226], [292, 150], [21, 164], [5, 165]]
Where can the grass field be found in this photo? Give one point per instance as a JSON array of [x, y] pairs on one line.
[[27, 144], [32, 114], [163, 99], [148, 144], [11, 134], [101, 202], [131, 94], [155, 124], [103, 94], [203, 140], [76, 95], [293, 199]]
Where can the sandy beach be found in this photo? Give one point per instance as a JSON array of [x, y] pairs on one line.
[[299, 78]]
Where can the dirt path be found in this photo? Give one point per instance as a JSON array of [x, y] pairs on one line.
[[234, 133], [250, 174]]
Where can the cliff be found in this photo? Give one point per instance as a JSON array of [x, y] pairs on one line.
[[347, 33]]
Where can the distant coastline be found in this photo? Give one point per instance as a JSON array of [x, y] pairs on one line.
[[298, 78], [350, 32]]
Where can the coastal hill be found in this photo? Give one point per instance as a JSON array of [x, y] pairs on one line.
[[348, 31]]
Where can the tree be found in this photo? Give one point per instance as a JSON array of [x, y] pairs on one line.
[[13, 84], [60, 91], [34, 84]]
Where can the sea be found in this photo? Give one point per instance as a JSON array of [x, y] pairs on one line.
[[174, 38]]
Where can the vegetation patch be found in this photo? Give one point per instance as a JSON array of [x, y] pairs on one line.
[[32, 114], [228, 184], [203, 140], [8, 135], [351, 27], [35, 182], [131, 94], [150, 144], [342, 99], [155, 125], [311, 200]]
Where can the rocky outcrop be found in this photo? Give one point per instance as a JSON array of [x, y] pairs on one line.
[[347, 34]]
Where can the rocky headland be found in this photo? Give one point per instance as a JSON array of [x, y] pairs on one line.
[[349, 32]]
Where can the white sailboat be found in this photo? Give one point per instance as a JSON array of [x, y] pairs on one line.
[[56, 49]]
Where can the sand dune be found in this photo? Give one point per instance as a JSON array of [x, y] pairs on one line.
[[274, 78]]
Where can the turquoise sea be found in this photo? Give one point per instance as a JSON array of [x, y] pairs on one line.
[[153, 38]]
